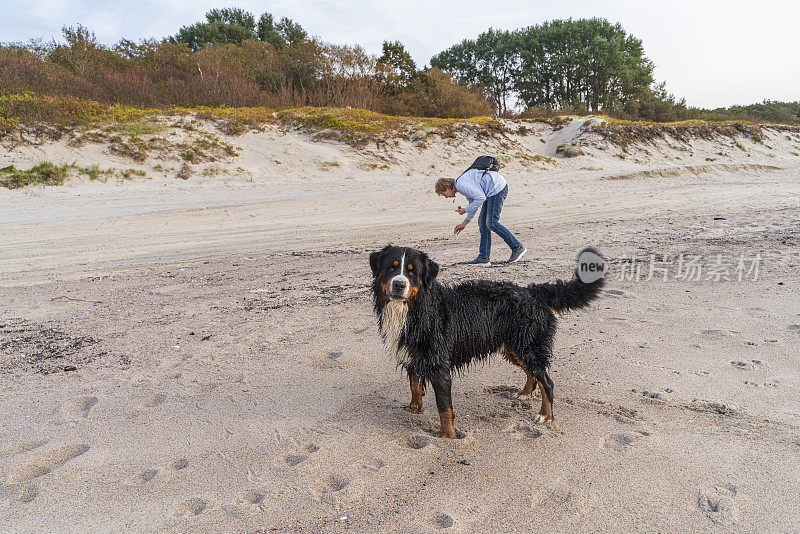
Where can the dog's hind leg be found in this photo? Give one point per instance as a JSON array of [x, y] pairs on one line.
[[546, 387], [527, 390], [417, 392], [530, 383], [441, 383]]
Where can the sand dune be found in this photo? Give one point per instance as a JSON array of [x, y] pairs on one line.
[[201, 355]]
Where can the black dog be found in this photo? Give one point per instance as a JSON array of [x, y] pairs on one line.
[[434, 329]]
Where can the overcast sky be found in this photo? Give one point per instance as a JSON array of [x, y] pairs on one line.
[[712, 52]]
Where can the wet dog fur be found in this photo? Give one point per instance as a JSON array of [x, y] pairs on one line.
[[434, 330]]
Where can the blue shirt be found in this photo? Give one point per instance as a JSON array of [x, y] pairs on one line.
[[477, 186]]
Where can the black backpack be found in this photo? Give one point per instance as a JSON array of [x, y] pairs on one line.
[[485, 164]]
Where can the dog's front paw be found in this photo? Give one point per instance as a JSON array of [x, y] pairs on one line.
[[520, 396], [414, 408], [450, 434], [539, 418]]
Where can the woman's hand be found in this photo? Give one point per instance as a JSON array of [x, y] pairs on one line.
[[460, 210]]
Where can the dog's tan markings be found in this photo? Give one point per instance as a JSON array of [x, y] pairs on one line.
[[412, 292], [530, 383], [410, 266], [527, 390], [546, 411], [417, 392], [385, 288], [446, 420], [395, 263], [560, 313]]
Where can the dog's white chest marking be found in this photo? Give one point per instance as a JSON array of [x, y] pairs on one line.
[[393, 321]]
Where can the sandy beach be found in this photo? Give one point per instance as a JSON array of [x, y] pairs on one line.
[[202, 355]]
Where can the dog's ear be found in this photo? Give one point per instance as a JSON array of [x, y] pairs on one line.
[[431, 271], [376, 258]]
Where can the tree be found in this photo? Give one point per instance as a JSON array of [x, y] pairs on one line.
[[233, 16], [235, 25], [491, 61], [82, 54], [267, 31], [284, 33], [292, 32], [586, 62], [397, 68], [222, 26]]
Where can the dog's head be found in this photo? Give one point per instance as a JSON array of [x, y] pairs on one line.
[[401, 273]]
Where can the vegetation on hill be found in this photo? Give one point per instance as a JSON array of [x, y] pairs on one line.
[[233, 60], [216, 63], [767, 111], [351, 125]]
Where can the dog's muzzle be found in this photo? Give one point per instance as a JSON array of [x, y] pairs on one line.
[[398, 288]]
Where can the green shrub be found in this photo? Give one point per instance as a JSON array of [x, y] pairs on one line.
[[44, 173]]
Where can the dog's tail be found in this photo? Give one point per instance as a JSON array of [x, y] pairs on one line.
[[562, 296]]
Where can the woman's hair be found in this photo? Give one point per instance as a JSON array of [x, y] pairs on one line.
[[443, 184]]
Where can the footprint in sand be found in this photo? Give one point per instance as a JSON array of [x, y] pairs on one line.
[[774, 383], [623, 440], [714, 333], [326, 488], [189, 508], [505, 391], [335, 483], [199, 389], [329, 359], [78, 406], [295, 459], [747, 365], [794, 328], [26, 493], [152, 401], [45, 462], [174, 375], [712, 407], [19, 448], [18, 493], [520, 430], [719, 504], [656, 397], [370, 464], [250, 497], [417, 441], [139, 479], [441, 520], [300, 457], [556, 497], [149, 402], [177, 464]]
